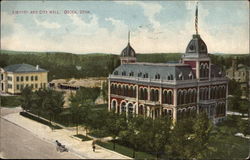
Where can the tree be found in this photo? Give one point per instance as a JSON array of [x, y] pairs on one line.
[[52, 103], [105, 91], [25, 98], [115, 124], [202, 132]]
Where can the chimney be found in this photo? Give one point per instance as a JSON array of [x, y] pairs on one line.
[[37, 67]]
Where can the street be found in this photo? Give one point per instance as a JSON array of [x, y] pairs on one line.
[[16, 142]]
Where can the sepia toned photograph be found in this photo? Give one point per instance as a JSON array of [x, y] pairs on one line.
[[120, 79]]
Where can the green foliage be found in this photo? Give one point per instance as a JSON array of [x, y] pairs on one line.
[[26, 101], [84, 138], [125, 150], [10, 101]]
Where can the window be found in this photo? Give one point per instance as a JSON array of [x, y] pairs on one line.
[[21, 78], [36, 86], [17, 87], [116, 73], [10, 86], [139, 74], [131, 74], [145, 75], [32, 86], [157, 76], [36, 78], [124, 73], [181, 76], [1, 76], [21, 86], [31, 78], [27, 78], [9, 78], [17, 79], [190, 76]]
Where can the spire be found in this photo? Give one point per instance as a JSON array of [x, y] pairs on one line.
[[196, 19], [128, 36]]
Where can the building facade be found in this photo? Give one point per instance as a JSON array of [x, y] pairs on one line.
[[14, 78], [176, 90], [241, 74]]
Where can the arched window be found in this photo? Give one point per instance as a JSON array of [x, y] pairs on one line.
[[126, 90], [141, 93], [145, 96], [184, 97], [170, 97], [164, 97], [190, 75], [123, 107], [119, 90], [115, 89], [181, 76], [179, 97], [112, 89], [140, 110], [156, 95]]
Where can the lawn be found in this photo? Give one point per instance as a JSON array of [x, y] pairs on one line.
[[226, 144], [125, 150], [97, 133]]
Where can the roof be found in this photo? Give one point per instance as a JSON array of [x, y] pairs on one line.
[[152, 69], [128, 51], [23, 68], [196, 48]]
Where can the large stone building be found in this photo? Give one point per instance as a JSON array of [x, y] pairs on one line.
[[15, 77], [169, 89], [241, 74]]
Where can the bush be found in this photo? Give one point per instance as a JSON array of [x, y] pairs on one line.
[[84, 138], [98, 133], [10, 101], [27, 115]]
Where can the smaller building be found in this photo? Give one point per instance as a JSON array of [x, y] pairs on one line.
[[241, 74], [15, 77]]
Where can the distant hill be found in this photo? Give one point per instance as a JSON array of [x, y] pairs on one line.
[[70, 65]]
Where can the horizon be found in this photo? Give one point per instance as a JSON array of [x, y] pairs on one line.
[[102, 27]]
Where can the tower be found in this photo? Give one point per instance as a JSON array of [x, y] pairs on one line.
[[196, 54], [128, 54]]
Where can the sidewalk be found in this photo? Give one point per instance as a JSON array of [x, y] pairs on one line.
[[64, 136]]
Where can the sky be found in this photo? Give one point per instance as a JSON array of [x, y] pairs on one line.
[[102, 26]]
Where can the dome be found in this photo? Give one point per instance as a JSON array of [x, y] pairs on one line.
[[196, 47], [128, 51]]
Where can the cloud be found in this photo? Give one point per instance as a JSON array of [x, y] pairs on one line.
[[46, 24], [88, 35]]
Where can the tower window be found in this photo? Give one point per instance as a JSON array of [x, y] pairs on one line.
[[116, 73], [145, 75]]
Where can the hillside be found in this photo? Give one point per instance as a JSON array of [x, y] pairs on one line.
[[68, 65]]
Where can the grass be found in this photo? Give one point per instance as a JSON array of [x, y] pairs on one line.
[[98, 133], [27, 115], [125, 150], [84, 138], [10, 101], [226, 145]]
